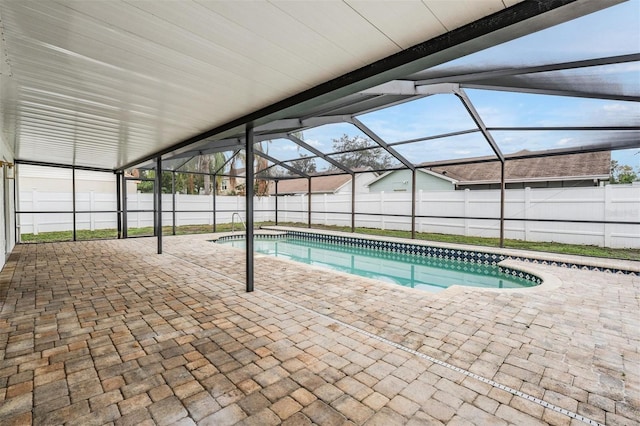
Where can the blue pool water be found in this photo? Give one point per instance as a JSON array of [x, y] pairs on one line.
[[422, 272]]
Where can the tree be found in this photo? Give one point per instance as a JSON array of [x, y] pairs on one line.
[[358, 155], [185, 182], [261, 186], [304, 164], [622, 173], [204, 165], [146, 186], [219, 159], [239, 158]]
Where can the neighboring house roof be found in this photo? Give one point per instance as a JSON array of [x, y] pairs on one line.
[[591, 165], [319, 184]]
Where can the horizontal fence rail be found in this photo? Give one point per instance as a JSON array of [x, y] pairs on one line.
[[604, 216]]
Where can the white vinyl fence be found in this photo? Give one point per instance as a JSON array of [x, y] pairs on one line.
[[534, 213], [190, 210]]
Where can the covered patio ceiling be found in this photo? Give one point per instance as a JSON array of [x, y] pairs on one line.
[[110, 84], [601, 84]]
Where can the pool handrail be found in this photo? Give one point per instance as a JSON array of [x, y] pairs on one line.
[[233, 222]]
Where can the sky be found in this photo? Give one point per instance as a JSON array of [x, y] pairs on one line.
[[613, 31]]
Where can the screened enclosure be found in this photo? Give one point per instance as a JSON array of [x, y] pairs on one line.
[[519, 140]]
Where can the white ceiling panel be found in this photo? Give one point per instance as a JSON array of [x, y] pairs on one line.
[[343, 26], [156, 39], [272, 35], [457, 13], [104, 83], [394, 18]]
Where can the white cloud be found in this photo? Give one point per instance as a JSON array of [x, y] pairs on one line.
[[564, 141], [616, 107], [313, 142]]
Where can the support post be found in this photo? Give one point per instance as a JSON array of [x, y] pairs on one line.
[[249, 158], [276, 190], [502, 195], [214, 192], [309, 205], [155, 205], [158, 187], [125, 224], [173, 202], [16, 204], [413, 203], [73, 199], [353, 202], [119, 204], [527, 214]]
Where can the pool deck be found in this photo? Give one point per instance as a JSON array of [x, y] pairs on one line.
[[108, 332]]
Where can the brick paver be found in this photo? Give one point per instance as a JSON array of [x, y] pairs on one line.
[[109, 332]]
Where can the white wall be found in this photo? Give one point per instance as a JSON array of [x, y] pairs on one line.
[[459, 212], [56, 179]]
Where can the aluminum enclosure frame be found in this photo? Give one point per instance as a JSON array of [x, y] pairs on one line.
[[263, 124]]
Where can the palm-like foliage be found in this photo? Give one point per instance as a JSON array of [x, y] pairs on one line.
[[259, 163]]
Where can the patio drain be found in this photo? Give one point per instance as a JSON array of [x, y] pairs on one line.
[[462, 371]]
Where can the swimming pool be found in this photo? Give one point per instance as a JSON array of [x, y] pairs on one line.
[[402, 264]]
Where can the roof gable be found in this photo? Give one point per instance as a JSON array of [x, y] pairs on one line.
[[425, 171]]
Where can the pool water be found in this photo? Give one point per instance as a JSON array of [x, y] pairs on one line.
[[416, 271]]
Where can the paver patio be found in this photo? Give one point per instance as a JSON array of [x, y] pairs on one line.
[[108, 332]]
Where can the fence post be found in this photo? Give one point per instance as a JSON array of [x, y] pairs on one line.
[[607, 208], [302, 209], [34, 203], [137, 208], [527, 206], [382, 210], [211, 207], [92, 203], [285, 208], [419, 211], [177, 207], [467, 191], [324, 203]]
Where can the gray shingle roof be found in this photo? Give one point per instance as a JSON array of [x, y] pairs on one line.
[[319, 184], [573, 165]]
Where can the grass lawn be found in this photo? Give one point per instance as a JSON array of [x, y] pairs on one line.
[[581, 250], [101, 234]]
